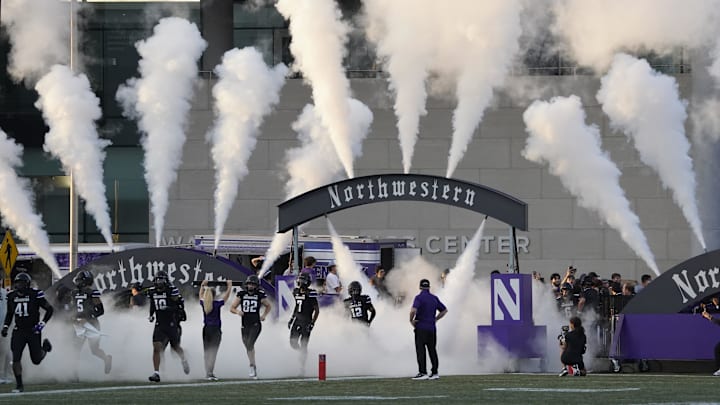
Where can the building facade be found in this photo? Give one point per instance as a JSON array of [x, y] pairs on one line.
[[561, 233]]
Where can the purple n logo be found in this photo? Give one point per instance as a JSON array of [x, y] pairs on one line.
[[511, 299]]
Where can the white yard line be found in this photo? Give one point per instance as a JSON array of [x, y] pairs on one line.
[[355, 398], [579, 390]]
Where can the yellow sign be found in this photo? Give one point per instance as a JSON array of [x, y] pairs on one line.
[[8, 253]]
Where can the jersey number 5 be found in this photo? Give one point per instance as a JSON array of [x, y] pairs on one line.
[[80, 306]]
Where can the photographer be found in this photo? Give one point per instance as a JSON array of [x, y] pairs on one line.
[[572, 342]]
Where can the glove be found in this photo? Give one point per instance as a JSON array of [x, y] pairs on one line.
[[151, 318], [39, 327], [309, 327], [4, 331], [290, 323]]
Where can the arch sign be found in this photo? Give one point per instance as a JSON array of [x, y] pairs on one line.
[[401, 187]]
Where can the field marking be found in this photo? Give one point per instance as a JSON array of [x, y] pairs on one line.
[[581, 390], [354, 398], [153, 386]]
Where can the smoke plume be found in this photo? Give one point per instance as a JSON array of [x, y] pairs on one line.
[[70, 109], [480, 52], [314, 163], [38, 31], [17, 205], [318, 45], [392, 25], [245, 93], [347, 269], [646, 106], [595, 31], [160, 101], [559, 136]]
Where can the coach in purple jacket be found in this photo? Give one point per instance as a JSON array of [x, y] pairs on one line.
[[426, 310]]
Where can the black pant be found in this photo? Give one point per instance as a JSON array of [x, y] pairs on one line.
[[423, 339], [717, 356], [22, 337], [250, 335], [572, 358], [211, 342]]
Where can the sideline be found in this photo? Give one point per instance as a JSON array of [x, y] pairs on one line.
[[355, 398], [153, 386]]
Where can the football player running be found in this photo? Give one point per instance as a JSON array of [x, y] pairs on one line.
[[304, 316], [88, 307], [167, 310], [24, 303], [247, 304], [358, 305]]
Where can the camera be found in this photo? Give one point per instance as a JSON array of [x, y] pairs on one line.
[[563, 331]]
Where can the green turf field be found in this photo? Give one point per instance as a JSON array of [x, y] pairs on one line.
[[475, 389]]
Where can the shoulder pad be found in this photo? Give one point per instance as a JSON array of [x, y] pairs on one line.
[[39, 293], [312, 293], [96, 294], [174, 290]]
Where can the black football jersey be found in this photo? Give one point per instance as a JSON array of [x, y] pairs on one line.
[[359, 309], [165, 305], [250, 305], [84, 302], [26, 308], [305, 302], [567, 307]]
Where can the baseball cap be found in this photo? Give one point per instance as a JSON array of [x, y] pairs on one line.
[[424, 283]]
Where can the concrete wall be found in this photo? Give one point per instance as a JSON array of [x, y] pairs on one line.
[[560, 231]]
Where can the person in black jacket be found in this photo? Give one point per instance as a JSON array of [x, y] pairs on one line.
[[573, 344], [24, 303]]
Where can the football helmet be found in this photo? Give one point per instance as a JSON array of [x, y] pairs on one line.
[[303, 280], [83, 279], [355, 289], [252, 281], [161, 279], [22, 281]]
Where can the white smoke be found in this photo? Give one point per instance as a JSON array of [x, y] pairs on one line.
[[70, 109], [480, 52], [17, 205], [348, 270], [595, 31], [160, 101], [392, 25], [318, 45], [646, 106], [38, 31], [454, 292], [245, 93], [315, 163], [559, 136]]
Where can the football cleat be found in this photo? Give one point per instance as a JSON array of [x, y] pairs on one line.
[[18, 389], [564, 372], [717, 373], [46, 346], [253, 372], [154, 378], [186, 366], [211, 377], [434, 377], [616, 365], [420, 376]]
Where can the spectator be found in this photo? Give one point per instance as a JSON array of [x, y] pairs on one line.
[[555, 284], [332, 281], [615, 284], [378, 281], [309, 268], [573, 344], [443, 277], [425, 312], [644, 281], [290, 271], [257, 263], [137, 299]]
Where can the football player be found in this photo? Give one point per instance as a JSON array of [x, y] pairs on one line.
[[247, 304], [24, 303], [304, 315], [88, 307], [167, 310], [359, 306]]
